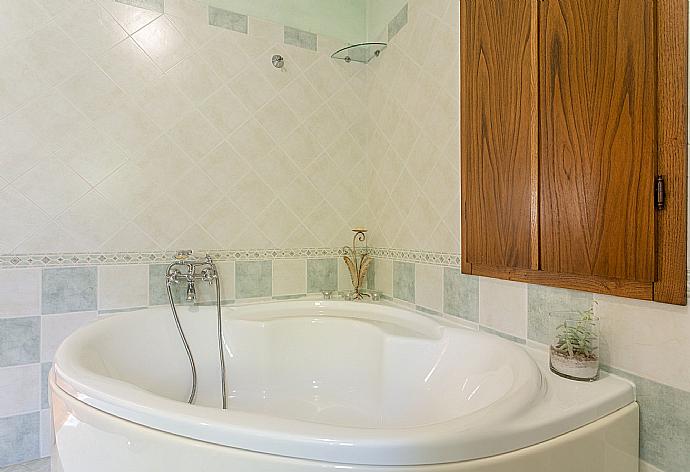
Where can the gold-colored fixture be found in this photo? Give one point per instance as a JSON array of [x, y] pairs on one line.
[[358, 265]]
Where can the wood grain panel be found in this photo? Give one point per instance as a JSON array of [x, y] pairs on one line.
[[598, 138], [673, 151], [497, 97], [585, 283]]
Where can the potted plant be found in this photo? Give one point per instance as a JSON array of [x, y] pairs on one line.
[[574, 353]]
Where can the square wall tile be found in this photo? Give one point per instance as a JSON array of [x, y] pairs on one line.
[[19, 389], [322, 274], [227, 19], [91, 27], [69, 289], [20, 292], [45, 391], [541, 301], [299, 38], [52, 186], [371, 275], [46, 440], [460, 294], [397, 23], [163, 42], [20, 341], [429, 286], [131, 18], [253, 279], [123, 286], [226, 274], [19, 438], [383, 276], [404, 281], [664, 423], [153, 5], [158, 294], [646, 338], [503, 306], [289, 277], [344, 278], [55, 328]]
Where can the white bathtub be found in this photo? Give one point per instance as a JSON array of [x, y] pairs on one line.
[[325, 386]]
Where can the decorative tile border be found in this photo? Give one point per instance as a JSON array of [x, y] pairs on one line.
[[412, 255], [11, 261]]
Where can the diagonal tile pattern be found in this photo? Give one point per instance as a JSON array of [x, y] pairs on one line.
[[411, 97], [114, 116]]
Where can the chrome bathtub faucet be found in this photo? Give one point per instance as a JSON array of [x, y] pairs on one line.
[[203, 270]]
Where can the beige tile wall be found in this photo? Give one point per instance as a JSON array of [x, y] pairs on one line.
[[123, 129], [412, 103]]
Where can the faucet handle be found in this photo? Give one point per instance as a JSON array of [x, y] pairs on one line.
[[172, 277], [209, 274]]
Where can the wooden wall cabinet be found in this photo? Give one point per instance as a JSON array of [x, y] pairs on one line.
[[571, 111]]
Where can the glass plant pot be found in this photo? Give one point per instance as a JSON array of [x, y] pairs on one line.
[[574, 352]]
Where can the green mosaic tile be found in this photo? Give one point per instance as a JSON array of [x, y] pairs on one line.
[[397, 23], [664, 423], [301, 39], [460, 294], [322, 274], [253, 279], [227, 19], [541, 301], [404, 281]]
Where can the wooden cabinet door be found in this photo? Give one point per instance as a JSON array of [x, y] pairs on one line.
[[570, 109], [598, 128], [497, 90]]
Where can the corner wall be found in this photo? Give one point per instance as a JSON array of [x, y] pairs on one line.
[[414, 199]]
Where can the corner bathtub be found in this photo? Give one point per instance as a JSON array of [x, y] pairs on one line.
[[325, 386]]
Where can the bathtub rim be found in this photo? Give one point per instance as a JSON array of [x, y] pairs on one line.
[[433, 444]]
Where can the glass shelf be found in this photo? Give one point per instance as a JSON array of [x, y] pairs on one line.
[[363, 52]]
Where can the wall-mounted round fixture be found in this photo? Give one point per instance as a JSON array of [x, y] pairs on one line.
[[278, 61]]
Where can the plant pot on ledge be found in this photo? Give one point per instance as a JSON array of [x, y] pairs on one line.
[[574, 353]]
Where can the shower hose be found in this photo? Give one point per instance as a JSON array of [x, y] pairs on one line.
[[192, 393]]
